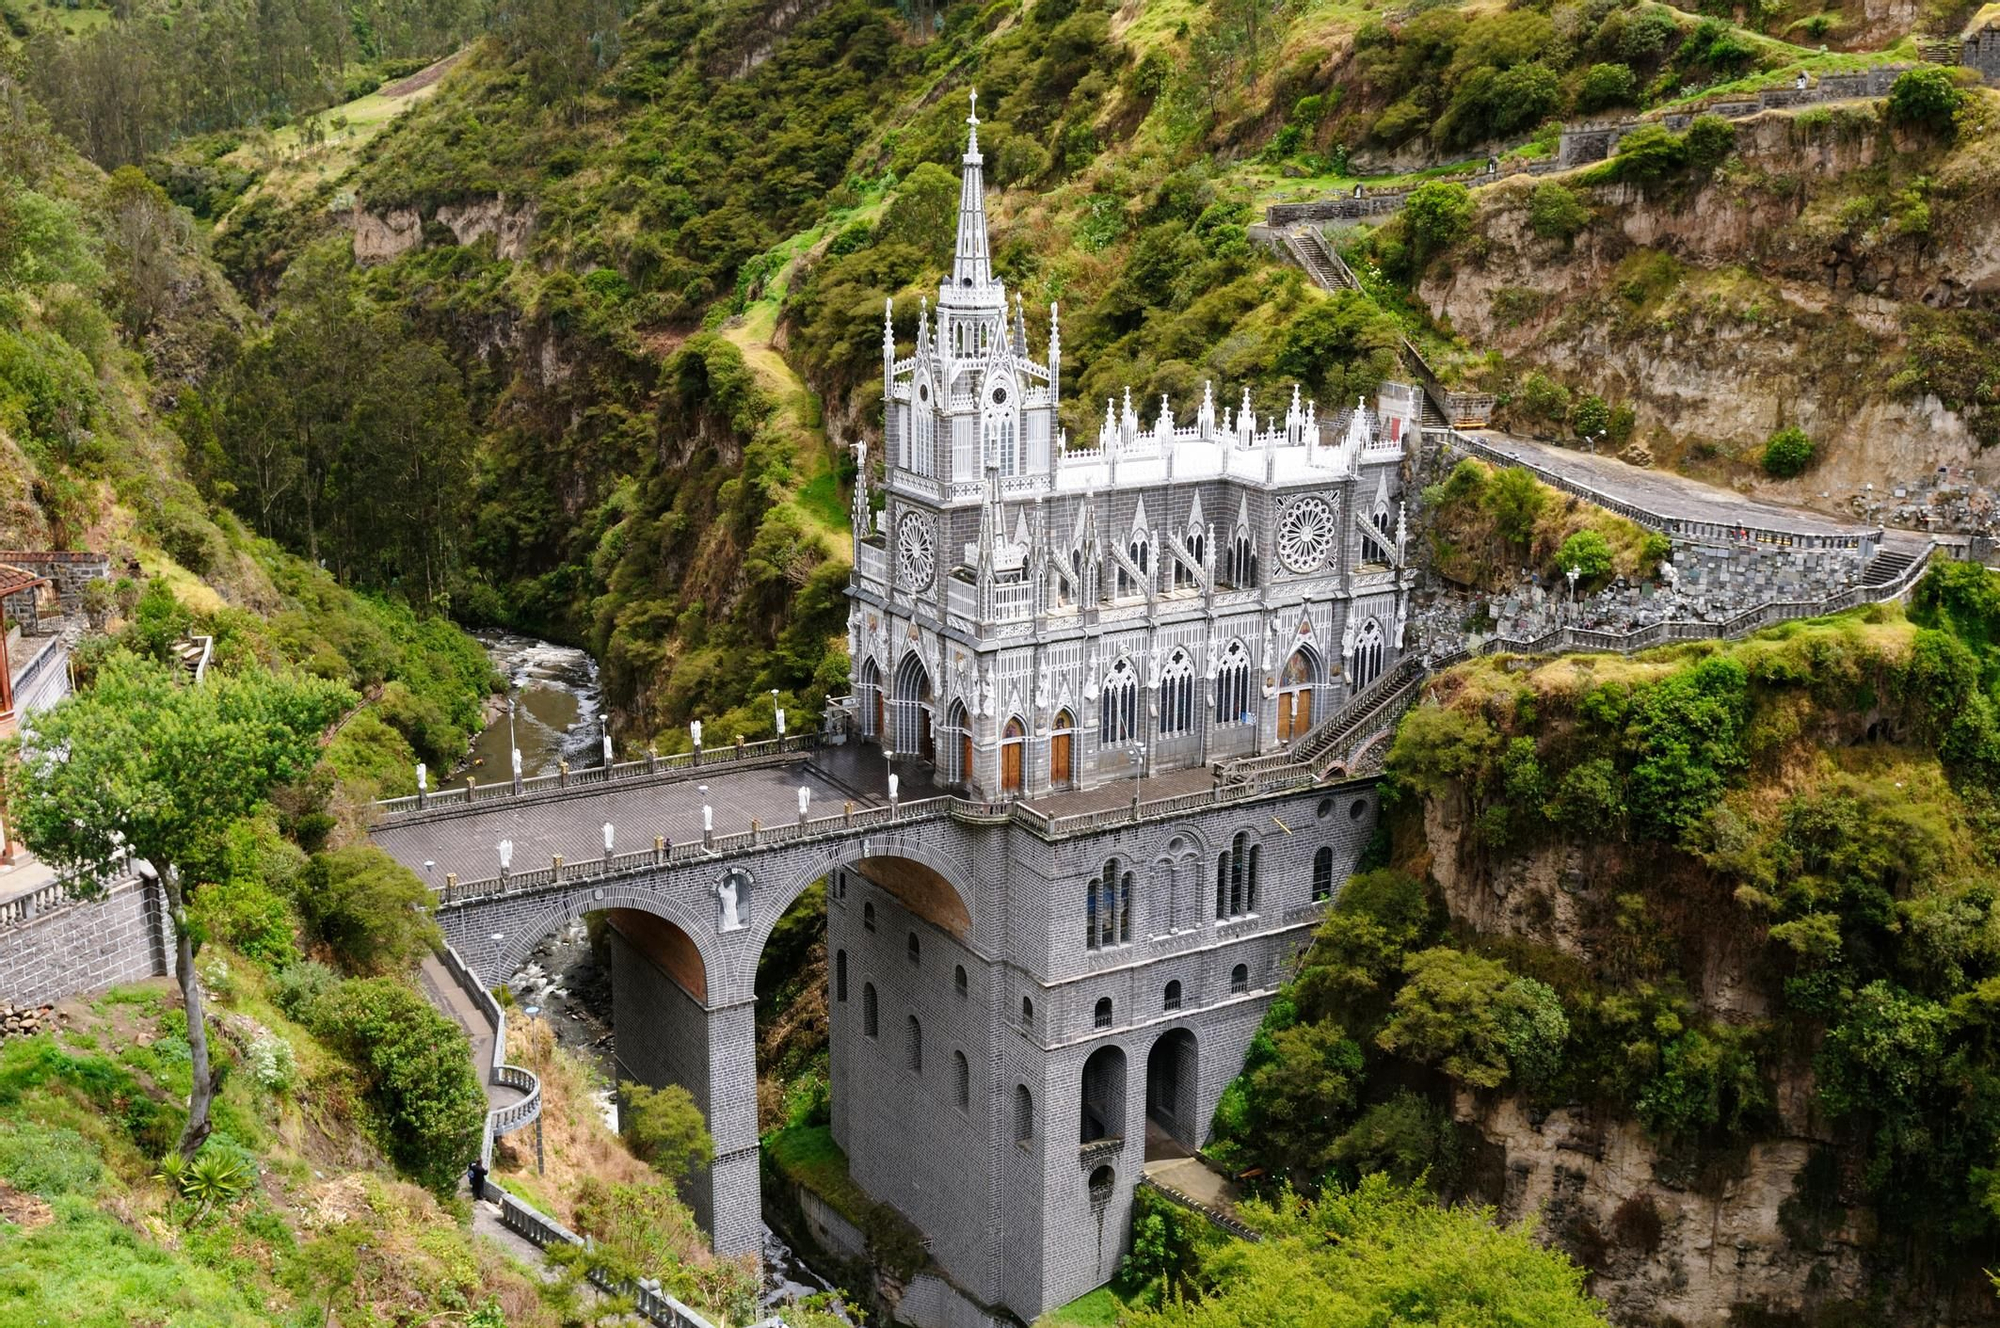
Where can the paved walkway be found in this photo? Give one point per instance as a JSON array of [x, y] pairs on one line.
[[451, 998], [25, 874], [1663, 493]]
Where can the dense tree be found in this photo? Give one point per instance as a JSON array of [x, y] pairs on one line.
[[1927, 97], [665, 1129], [148, 765], [372, 911]]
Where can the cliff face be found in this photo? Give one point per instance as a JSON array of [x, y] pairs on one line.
[[1779, 1219], [1788, 288]]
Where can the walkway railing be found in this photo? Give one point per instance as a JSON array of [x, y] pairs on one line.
[[651, 769], [500, 1120], [58, 894], [1759, 533]]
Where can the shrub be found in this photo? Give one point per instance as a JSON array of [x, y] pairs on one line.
[[1406, 1139], [246, 913], [372, 912], [294, 989], [665, 1129], [1708, 141], [1542, 398], [1556, 212], [1590, 416], [1787, 452], [1589, 553], [417, 1067], [1438, 215], [1606, 85], [1451, 1014], [1926, 97]]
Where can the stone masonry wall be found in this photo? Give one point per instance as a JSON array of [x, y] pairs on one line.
[[68, 571], [81, 948]]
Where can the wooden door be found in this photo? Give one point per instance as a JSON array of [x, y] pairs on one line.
[[965, 755], [1010, 767], [881, 717], [1304, 719], [1285, 702], [926, 743], [1059, 759]]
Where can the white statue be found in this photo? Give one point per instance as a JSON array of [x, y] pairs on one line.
[[732, 920]]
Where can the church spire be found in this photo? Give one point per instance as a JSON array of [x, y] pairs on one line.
[[971, 268]]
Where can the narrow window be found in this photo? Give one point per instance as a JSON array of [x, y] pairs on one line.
[[1024, 1114], [1323, 874], [1239, 978], [868, 917], [1171, 1000], [961, 1079], [1027, 1013], [958, 981], [916, 1046], [868, 1009], [1101, 1017], [915, 949], [840, 975], [1250, 894]]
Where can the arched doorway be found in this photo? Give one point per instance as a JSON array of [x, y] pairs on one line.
[[1172, 1076], [1295, 693], [958, 732], [1013, 746], [911, 712], [1103, 1115], [1062, 750]]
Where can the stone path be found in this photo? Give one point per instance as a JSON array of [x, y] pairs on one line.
[[1663, 493], [449, 997]]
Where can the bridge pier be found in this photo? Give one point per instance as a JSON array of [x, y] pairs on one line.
[[669, 1033]]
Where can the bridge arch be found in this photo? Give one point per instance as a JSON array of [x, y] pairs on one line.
[[512, 950]]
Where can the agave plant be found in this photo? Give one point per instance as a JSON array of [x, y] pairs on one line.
[[211, 1179]]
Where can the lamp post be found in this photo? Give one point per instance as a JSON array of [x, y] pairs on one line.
[[1574, 573], [1138, 769]]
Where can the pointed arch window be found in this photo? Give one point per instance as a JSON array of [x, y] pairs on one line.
[[920, 438], [1365, 665], [1177, 694], [1003, 431], [1239, 560], [1118, 705], [1236, 879], [1107, 906], [1232, 687]]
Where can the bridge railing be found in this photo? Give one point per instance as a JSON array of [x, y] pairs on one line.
[[57, 894], [651, 768]]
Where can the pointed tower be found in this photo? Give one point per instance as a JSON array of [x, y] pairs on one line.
[[971, 268]]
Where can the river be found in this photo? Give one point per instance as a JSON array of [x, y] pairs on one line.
[[557, 716]]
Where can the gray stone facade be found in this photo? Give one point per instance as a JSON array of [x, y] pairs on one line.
[[73, 948]]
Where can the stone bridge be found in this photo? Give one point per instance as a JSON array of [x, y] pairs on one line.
[[719, 852]]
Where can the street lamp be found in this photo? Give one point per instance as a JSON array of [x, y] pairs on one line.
[[1573, 574]]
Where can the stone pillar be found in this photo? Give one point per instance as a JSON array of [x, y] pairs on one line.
[[734, 1207]]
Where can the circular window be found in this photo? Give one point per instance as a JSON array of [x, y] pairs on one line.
[[923, 391], [999, 396], [1306, 534], [1325, 808], [1358, 810], [914, 560], [1101, 1182]]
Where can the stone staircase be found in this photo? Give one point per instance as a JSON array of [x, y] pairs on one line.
[[1886, 566]]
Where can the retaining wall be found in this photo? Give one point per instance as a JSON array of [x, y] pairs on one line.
[[51, 949]]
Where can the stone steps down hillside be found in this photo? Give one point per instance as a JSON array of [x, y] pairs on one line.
[[1886, 567]]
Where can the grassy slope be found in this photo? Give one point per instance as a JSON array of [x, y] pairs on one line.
[[327, 1227]]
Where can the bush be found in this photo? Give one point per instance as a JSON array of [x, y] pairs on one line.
[[1926, 97], [1438, 215], [294, 989], [1556, 212], [417, 1069], [1787, 452], [1406, 1139], [1590, 416], [665, 1129], [1542, 398], [1708, 141], [1606, 85], [370, 910], [1589, 553]]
